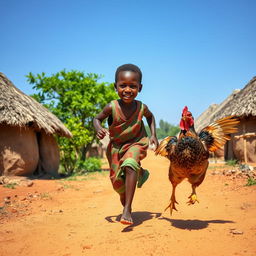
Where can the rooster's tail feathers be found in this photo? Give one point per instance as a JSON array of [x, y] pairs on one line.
[[161, 149], [217, 133]]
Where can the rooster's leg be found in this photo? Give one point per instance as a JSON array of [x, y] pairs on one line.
[[193, 196], [196, 180], [172, 200]]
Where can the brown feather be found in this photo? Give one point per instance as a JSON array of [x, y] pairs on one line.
[[220, 131], [161, 150]]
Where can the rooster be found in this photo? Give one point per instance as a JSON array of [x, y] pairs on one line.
[[189, 153]]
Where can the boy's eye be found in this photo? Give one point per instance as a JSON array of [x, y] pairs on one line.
[[132, 86]]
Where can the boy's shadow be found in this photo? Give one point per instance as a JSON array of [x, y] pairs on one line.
[[193, 224], [138, 218]]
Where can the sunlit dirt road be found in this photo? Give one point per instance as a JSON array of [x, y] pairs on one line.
[[62, 218]]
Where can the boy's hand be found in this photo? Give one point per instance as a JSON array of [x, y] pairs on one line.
[[154, 140], [101, 133]]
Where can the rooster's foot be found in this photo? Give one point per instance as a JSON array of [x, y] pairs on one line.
[[172, 206], [192, 199]]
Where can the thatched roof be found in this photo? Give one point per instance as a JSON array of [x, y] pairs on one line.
[[242, 104], [208, 116], [19, 109], [203, 119]]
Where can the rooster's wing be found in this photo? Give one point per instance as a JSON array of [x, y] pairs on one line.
[[215, 135], [166, 146]]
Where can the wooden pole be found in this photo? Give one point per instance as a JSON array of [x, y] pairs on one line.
[[245, 148], [247, 135]]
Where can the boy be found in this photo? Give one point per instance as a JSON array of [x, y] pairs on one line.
[[128, 139]]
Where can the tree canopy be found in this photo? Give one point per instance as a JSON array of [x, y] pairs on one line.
[[165, 129], [75, 97]]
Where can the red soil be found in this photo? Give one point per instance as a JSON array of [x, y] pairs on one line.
[[62, 218]]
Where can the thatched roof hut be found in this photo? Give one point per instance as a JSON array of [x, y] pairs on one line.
[[27, 131], [203, 119], [208, 116], [98, 149], [19, 109], [241, 103]]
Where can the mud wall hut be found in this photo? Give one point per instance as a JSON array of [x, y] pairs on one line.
[[98, 149], [242, 104], [27, 130], [208, 115]]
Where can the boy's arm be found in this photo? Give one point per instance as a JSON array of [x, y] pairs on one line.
[[152, 125], [100, 131]]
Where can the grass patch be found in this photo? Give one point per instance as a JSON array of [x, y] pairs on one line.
[[232, 162], [85, 176], [250, 182], [72, 178], [10, 185]]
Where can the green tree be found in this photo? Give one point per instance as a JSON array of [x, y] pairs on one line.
[[75, 97], [165, 129]]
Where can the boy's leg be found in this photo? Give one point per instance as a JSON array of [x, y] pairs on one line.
[[130, 185], [119, 186], [122, 199]]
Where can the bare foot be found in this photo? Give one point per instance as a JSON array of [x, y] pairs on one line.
[[126, 217]]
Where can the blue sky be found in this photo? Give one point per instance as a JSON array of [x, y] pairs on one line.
[[192, 53]]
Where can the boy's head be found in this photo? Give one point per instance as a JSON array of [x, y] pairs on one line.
[[128, 82], [129, 67]]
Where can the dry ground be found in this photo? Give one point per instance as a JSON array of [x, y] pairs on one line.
[[62, 218]]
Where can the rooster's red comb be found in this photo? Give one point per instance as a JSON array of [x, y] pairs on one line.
[[185, 110]]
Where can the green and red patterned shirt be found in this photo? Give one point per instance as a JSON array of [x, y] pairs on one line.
[[128, 143]]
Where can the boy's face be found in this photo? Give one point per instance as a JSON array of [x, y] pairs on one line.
[[128, 85]]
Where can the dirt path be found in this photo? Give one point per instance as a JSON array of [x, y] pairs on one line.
[[62, 218]]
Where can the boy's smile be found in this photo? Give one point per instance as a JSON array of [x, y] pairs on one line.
[[128, 86]]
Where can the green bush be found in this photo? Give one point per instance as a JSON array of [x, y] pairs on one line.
[[91, 164], [10, 185], [232, 162], [250, 182]]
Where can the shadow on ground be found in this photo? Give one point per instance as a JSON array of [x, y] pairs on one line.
[[138, 218], [193, 224]]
